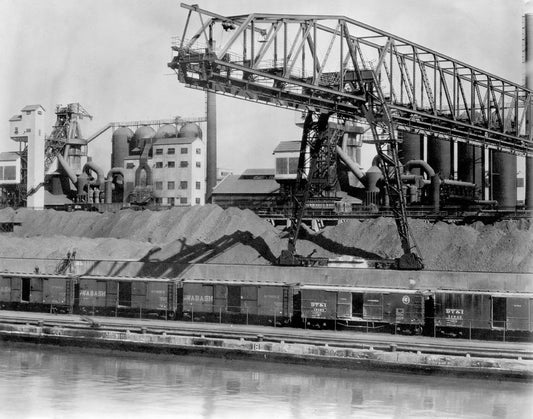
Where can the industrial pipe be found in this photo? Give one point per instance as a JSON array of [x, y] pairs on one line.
[[68, 170], [435, 179], [458, 183], [109, 183], [435, 189], [359, 174], [99, 173], [419, 164]]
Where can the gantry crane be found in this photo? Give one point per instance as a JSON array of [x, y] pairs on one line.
[[337, 67]]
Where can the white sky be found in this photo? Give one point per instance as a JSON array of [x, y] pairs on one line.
[[111, 56]]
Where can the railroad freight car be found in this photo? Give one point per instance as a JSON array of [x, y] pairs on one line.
[[374, 309], [37, 292], [266, 303], [483, 315], [131, 297]]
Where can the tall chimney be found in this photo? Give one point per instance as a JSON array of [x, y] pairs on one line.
[[528, 61], [211, 145]]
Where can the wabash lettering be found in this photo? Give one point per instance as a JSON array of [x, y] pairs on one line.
[[198, 298], [92, 293]]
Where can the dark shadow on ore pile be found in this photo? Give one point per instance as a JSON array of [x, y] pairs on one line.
[[210, 234]]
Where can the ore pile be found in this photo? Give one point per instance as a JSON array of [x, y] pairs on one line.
[[209, 234], [182, 234], [506, 246]]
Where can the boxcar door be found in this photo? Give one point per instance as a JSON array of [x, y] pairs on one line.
[[357, 304], [499, 312], [344, 305], [517, 314], [373, 306], [26, 290], [124, 293], [234, 298]]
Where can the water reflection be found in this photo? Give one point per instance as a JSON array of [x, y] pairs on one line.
[[43, 382]]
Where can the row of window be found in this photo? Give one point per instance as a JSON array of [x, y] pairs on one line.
[[183, 163], [172, 185], [170, 164], [172, 150], [286, 165], [173, 201]]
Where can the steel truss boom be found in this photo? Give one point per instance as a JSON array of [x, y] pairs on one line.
[[338, 66], [304, 61]]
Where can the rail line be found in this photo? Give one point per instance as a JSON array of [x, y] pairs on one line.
[[337, 339]]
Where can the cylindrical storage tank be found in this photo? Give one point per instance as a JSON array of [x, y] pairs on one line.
[[166, 131], [439, 156], [120, 143], [470, 166], [503, 175], [411, 148], [190, 130], [142, 136]]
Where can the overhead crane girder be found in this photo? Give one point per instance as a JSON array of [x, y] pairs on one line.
[[337, 65]]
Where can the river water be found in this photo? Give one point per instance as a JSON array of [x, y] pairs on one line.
[[49, 382]]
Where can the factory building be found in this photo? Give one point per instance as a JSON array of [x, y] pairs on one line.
[[171, 162], [254, 188]]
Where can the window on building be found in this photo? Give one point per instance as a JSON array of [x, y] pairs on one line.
[[198, 164], [171, 201], [184, 150], [171, 151], [183, 200], [28, 112], [158, 164], [10, 173], [198, 151], [130, 165], [159, 200], [28, 130], [198, 185], [197, 200], [159, 186], [171, 164], [16, 131], [281, 166], [184, 184], [293, 165], [184, 163], [171, 185], [158, 151]]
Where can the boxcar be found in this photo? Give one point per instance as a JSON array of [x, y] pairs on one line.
[[38, 292], [127, 296], [369, 308], [235, 301], [476, 314]]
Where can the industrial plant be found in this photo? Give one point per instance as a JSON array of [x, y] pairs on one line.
[[403, 209]]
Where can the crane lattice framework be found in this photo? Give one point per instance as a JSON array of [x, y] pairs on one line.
[[339, 66]]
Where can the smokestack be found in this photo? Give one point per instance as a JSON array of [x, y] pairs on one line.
[[211, 145], [528, 61]]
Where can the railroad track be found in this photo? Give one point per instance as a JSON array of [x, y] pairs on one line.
[[348, 340]]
